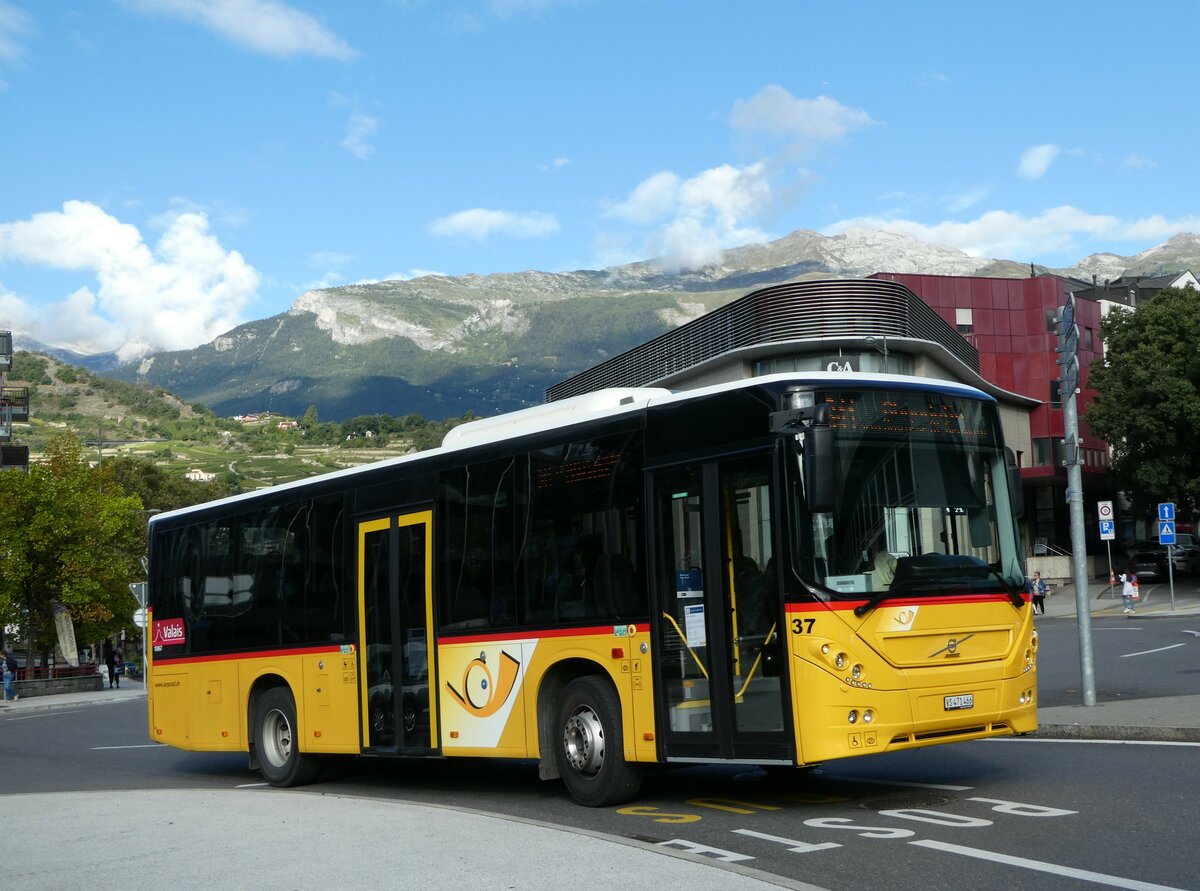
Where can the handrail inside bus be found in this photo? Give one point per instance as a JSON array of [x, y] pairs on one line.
[[670, 618], [757, 660]]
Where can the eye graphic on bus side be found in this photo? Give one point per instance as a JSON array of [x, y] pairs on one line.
[[482, 695]]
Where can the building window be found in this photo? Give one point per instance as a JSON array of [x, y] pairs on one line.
[[1052, 321], [1087, 338], [964, 320], [1041, 451], [1055, 394]]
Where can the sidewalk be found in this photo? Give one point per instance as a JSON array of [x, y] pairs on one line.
[[1165, 719]]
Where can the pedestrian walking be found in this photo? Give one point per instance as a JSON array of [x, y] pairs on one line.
[[1037, 593], [110, 662], [118, 667], [1129, 592], [9, 669]]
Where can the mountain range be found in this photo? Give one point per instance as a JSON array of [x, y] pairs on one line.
[[442, 345]]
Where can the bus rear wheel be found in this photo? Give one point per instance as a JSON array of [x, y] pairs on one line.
[[277, 743], [590, 752]]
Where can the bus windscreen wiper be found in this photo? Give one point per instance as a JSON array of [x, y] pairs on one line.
[[942, 584], [899, 588]]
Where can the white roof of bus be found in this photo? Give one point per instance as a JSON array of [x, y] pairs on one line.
[[596, 405]]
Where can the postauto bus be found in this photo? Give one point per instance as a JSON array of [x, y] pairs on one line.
[[778, 571]]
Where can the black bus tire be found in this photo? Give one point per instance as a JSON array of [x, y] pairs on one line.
[[590, 747], [277, 741]]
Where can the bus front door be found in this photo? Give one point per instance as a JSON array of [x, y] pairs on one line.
[[395, 593], [719, 615]]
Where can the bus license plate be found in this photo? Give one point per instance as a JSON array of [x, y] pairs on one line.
[[965, 700]]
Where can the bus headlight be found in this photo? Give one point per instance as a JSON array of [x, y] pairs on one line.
[[853, 716], [840, 660], [856, 672]]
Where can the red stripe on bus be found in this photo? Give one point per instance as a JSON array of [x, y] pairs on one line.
[[949, 600], [530, 635], [257, 654]]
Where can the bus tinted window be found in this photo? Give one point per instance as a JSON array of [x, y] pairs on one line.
[[264, 579]]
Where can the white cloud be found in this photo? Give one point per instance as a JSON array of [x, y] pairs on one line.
[[509, 8], [264, 26], [14, 26], [359, 129], [1036, 160], [479, 223], [1139, 162], [1000, 234], [184, 291], [653, 198], [774, 110], [700, 216], [1157, 226], [960, 201]]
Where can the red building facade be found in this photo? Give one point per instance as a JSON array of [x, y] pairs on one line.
[[1012, 323]]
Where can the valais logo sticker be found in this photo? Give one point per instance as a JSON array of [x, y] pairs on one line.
[[169, 632]]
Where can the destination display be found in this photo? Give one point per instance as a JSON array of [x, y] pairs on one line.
[[903, 414]]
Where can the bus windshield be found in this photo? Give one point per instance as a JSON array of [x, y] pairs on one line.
[[920, 500]]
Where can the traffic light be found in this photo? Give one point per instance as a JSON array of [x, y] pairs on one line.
[[1068, 349]]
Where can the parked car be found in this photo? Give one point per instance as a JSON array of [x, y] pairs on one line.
[[1149, 563], [1186, 553]]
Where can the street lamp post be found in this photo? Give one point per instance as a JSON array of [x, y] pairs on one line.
[[142, 600], [883, 350]]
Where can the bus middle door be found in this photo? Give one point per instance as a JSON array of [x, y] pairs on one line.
[[724, 694], [395, 594]]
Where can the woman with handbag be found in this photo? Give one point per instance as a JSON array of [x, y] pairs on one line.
[[1129, 592]]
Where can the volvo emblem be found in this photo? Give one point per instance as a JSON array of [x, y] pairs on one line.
[[951, 647]]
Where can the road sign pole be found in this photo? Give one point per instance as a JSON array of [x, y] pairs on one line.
[[1068, 386], [1083, 608], [1171, 573], [1111, 591]]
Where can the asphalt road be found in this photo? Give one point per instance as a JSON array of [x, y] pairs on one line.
[[1132, 658], [997, 814]]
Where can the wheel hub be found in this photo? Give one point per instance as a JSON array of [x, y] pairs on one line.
[[583, 739]]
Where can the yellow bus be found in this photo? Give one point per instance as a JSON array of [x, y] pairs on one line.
[[780, 571]]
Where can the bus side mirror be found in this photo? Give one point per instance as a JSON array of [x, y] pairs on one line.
[[1015, 494], [820, 483]]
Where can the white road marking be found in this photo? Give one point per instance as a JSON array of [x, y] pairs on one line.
[[1086, 875], [1148, 652], [250, 785], [1192, 633]]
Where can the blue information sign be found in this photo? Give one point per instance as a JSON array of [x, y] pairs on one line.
[[1108, 530], [1166, 532], [1166, 511]]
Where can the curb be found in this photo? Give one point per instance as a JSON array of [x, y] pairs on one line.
[[1119, 733]]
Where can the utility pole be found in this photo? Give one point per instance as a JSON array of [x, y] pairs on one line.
[[1068, 385]]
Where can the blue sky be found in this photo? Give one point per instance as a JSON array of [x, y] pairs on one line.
[[170, 168]]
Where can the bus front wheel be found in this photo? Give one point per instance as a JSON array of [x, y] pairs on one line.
[[277, 742], [590, 745]]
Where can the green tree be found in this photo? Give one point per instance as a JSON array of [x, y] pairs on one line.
[[158, 489], [1148, 398], [65, 538]]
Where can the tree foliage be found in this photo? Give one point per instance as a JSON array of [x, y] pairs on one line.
[[66, 538], [156, 488], [1148, 398]]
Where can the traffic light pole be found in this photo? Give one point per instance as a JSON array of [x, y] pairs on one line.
[[1068, 340], [1083, 609]]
